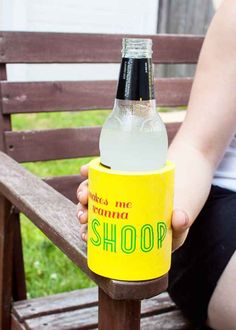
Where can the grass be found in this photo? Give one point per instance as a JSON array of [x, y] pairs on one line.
[[48, 270]]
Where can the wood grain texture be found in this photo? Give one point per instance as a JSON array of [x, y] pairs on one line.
[[15, 324], [41, 47], [55, 215], [62, 302], [66, 185], [19, 282], [6, 232], [5, 120], [118, 314], [183, 17], [6, 262], [156, 313], [26, 97], [79, 299], [53, 144], [173, 320], [26, 146], [70, 311], [87, 319]]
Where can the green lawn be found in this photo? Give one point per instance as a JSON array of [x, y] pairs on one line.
[[48, 271]]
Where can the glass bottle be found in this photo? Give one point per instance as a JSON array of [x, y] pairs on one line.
[[133, 137]]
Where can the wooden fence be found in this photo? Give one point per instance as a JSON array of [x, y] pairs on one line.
[[183, 17]]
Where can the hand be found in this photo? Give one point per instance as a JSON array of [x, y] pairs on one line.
[[180, 228], [180, 219], [82, 207]]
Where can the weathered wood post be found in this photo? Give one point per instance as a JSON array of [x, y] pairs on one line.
[[12, 276]]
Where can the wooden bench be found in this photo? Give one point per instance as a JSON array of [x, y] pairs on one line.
[[115, 304]]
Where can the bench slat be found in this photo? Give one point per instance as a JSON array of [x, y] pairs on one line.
[[87, 319], [173, 320], [31, 97], [41, 47], [63, 143], [67, 185], [57, 303], [78, 310], [81, 299], [26, 146]]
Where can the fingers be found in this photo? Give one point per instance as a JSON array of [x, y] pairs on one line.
[[84, 232], [82, 213], [84, 170], [180, 226], [82, 193], [82, 208]]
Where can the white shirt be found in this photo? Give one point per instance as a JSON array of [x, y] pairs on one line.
[[225, 175]]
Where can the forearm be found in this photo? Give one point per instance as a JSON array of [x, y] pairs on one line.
[[211, 117], [193, 178]]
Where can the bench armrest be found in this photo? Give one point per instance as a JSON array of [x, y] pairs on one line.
[[55, 216]]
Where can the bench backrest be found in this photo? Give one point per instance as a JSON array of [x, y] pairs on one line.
[[53, 96]]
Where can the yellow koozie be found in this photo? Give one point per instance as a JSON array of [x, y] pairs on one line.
[[129, 225]]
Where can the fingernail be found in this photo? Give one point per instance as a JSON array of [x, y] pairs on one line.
[[83, 235], [79, 214], [78, 195]]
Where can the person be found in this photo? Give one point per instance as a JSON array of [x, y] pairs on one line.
[[203, 272]]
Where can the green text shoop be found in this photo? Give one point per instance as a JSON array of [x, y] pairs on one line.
[[147, 238]]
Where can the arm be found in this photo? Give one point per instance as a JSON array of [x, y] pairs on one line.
[[210, 121]]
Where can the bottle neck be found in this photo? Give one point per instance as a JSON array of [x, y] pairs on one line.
[[135, 108], [136, 48], [136, 79]]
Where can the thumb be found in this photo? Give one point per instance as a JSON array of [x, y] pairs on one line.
[[180, 226]]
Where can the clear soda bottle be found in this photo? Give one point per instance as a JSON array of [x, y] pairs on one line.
[[134, 137]]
